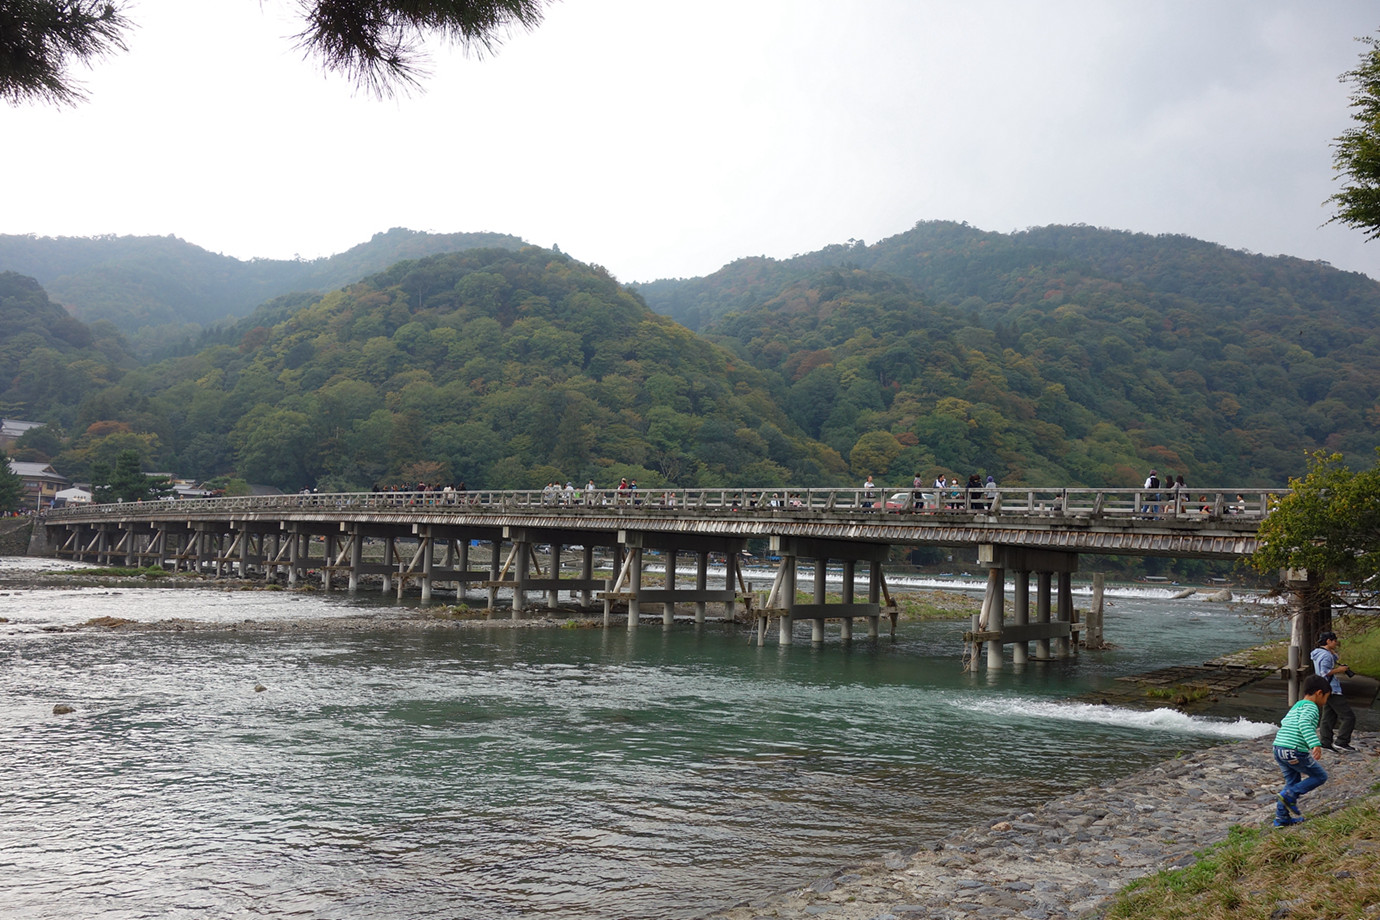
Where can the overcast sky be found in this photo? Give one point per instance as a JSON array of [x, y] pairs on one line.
[[666, 139]]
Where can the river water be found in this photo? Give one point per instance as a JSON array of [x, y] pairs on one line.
[[494, 773]]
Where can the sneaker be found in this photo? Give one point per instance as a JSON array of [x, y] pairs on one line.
[[1286, 822], [1346, 748], [1337, 750], [1288, 802]]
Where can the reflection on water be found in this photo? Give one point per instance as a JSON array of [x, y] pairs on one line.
[[495, 773]]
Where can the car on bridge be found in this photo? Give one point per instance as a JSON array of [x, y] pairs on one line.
[[901, 501]]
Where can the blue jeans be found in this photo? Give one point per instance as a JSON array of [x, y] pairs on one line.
[[1302, 774]]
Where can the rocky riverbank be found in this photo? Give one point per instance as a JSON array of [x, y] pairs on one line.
[[1065, 859]]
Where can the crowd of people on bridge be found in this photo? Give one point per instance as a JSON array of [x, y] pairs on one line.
[[1170, 495], [1163, 496]]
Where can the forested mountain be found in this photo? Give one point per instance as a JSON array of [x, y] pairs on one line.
[[50, 362], [1056, 355], [161, 289], [498, 368]]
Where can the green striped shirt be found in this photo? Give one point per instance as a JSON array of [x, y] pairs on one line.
[[1299, 730]]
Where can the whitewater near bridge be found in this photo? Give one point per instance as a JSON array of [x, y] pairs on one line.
[[424, 539]]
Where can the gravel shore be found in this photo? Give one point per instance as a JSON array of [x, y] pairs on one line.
[[1065, 859]]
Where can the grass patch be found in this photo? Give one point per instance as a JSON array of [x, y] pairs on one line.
[[1179, 693], [1324, 868], [937, 605], [1360, 637], [149, 572]]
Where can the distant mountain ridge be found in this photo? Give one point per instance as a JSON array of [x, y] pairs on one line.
[[1055, 355], [148, 286]]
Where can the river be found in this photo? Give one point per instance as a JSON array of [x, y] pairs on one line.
[[490, 773]]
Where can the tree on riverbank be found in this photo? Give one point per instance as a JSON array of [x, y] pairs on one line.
[[127, 482], [1326, 532], [11, 485]]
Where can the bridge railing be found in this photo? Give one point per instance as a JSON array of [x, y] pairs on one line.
[[998, 503]]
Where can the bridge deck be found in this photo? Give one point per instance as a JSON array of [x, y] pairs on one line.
[[1219, 523]]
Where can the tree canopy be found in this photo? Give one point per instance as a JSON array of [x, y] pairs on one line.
[[11, 485], [1329, 527], [127, 482], [1356, 154], [376, 43]]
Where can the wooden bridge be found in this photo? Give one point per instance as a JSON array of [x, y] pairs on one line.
[[424, 538]]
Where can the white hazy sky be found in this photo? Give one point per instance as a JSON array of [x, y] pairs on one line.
[[665, 139]]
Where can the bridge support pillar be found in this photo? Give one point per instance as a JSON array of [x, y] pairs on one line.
[[994, 615], [356, 559], [1042, 597], [1020, 616], [586, 575], [786, 591], [634, 586], [668, 609], [522, 560], [1065, 614], [428, 550], [294, 558], [390, 563], [495, 571], [553, 595], [702, 583], [464, 568], [990, 628]]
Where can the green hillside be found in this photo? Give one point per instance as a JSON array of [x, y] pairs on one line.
[[158, 290], [50, 362], [493, 367], [1059, 355]]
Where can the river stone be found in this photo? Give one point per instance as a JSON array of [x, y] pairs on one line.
[[62, 709], [1130, 828]]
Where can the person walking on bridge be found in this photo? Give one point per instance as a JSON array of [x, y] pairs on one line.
[[1152, 482], [1337, 718]]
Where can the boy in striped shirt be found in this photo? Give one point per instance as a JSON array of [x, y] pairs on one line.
[[1297, 750]]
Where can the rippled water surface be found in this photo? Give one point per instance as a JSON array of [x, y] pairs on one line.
[[496, 773]]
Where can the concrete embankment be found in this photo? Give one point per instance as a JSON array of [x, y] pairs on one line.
[[1065, 859], [15, 533]]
